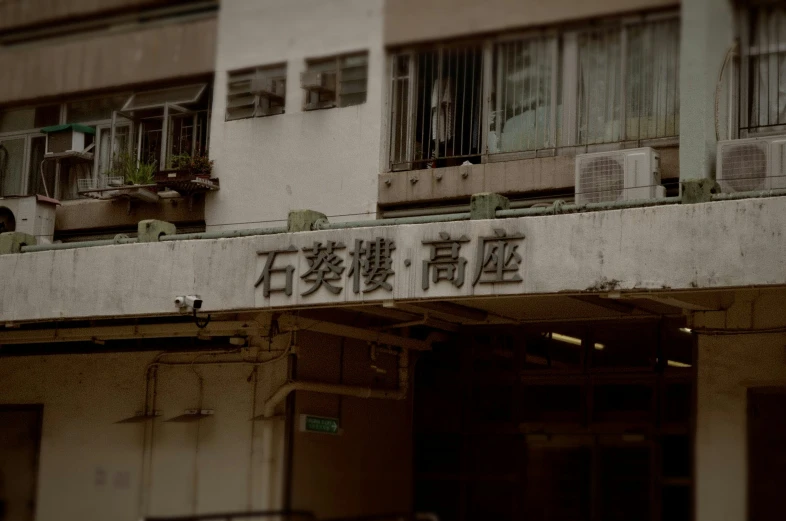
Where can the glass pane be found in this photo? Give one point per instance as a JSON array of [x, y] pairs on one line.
[[768, 67], [12, 160], [599, 86], [354, 72], [652, 80], [157, 98], [47, 115], [151, 141], [20, 119], [94, 109], [558, 485], [120, 146], [625, 484], [520, 118]]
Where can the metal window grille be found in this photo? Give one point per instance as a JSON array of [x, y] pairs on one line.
[[258, 91], [523, 115], [763, 68], [436, 101]]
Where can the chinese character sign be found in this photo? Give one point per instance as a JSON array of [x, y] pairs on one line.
[[370, 264]]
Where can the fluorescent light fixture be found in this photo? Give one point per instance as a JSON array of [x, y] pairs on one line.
[[573, 340], [674, 363], [686, 330]]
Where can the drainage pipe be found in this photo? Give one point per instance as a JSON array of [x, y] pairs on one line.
[[269, 409]]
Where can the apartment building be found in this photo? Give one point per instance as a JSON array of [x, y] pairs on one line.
[[388, 258]]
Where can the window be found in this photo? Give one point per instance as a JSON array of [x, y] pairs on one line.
[[259, 91], [340, 81], [612, 82], [763, 69]]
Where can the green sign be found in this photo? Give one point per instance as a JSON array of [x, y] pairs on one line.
[[318, 424]]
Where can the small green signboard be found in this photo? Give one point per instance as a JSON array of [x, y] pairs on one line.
[[320, 424]]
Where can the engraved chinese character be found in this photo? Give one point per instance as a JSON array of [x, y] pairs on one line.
[[498, 259], [373, 261], [444, 262], [324, 266], [266, 278]]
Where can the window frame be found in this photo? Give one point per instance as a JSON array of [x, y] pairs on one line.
[[740, 92], [310, 63], [564, 90], [272, 72]]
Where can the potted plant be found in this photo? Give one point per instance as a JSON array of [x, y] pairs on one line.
[[127, 168], [197, 165]]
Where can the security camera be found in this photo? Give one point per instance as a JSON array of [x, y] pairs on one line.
[[188, 301]]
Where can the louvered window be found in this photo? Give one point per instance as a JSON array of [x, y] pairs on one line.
[[256, 91]]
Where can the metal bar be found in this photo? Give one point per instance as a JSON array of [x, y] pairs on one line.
[[223, 235], [553, 90], [463, 101], [438, 110], [112, 133], [164, 137], [74, 245], [394, 156], [624, 34]]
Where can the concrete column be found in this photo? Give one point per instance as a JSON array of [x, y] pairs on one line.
[[727, 366], [707, 34]]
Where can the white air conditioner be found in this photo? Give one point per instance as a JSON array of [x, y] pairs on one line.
[[318, 81], [268, 88], [32, 214], [745, 165], [621, 175]]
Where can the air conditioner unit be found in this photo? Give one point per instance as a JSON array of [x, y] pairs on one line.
[[745, 165], [621, 175], [318, 81], [270, 88], [32, 214], [68, 138]]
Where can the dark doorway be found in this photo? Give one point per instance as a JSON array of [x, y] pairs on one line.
[[20, 436]]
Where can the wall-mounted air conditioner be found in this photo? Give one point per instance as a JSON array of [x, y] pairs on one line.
[[68, 138], [318, 81], [270, 88], [745, 165], [32, 214], [621, 175]]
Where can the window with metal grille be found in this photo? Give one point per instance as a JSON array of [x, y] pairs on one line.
[[338, 81], [436, 106], [763, 68], [613, 82], [257, 91]]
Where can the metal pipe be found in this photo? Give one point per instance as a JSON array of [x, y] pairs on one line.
[[557, 208], [269, 409], [460, 208], [749, 195], [223, 235], [464, 216], [73, 245]]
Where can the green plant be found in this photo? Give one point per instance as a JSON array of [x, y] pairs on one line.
[[132, 171], [197, 164]]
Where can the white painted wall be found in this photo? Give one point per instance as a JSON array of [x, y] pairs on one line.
[[325, 160], [727, 367], [675, 247], [90, 466]]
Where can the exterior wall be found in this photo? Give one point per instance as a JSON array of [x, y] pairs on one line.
[[90, 467], [416, 20], [87, 214], [668, 248], [20, 13], [325, 160], [111, 60], [727, 366], [367, 469]]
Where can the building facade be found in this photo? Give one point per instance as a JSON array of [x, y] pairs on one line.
[[392, 258]]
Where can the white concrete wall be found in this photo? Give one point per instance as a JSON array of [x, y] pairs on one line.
[[325, 160], [668, 248], [90, 467], [727, 366]]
